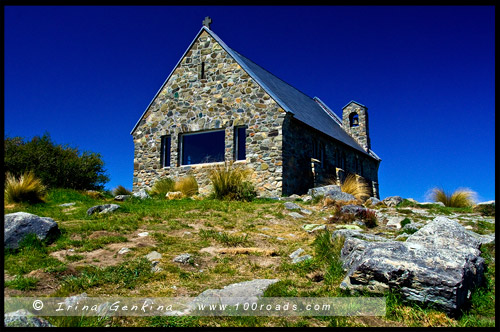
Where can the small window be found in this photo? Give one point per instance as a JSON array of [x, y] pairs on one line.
[[240, 137], [199, 148], [202, 71], [165, 151]]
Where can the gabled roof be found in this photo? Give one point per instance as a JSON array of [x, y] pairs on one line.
[[303, 107]]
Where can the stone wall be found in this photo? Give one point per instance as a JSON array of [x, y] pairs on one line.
[[224, 97], [299, 141]]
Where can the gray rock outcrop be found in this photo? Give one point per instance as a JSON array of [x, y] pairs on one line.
[[439, 264], [24, 318], [142, 194], [106, 208], [392, 201], [19, 224]]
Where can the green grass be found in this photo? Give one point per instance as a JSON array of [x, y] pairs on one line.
[[166, 221], [32, 254], [22, 283], [224, 238]]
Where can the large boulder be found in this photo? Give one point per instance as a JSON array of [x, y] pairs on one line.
[[439, 264], [340, 196], [19, 224]]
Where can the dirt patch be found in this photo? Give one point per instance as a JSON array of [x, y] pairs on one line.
[[107, 256]]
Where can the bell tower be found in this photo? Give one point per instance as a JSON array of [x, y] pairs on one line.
[[355, 122]]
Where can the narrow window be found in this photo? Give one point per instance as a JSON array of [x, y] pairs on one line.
[[202, 74], [240, 137], [199, 148], [318, 151], [165, 151]]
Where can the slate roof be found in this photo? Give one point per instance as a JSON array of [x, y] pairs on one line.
[[303, 107]]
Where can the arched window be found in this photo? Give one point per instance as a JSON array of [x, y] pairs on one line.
[[354, 119]]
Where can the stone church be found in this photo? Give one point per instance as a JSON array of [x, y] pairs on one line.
[[218, 106]]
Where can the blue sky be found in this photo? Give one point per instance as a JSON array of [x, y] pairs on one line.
[[426, 73]]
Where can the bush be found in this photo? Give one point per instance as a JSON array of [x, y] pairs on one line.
[[56, 165], [25, 188], [121, 190], [369, 217], [231, 183], [162, 187], [462, 197], [187, 185], [356, 186]]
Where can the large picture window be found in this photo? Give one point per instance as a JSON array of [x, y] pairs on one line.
[[205, 147]]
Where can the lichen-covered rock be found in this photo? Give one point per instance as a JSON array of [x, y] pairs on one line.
[[19, 224], [142, 194], [440, 264]]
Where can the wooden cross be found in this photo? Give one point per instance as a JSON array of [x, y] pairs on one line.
[[207, 21]]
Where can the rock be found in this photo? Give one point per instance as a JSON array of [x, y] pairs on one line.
[[355, 227], [340, 196], [358, 234], [373, 201], [487, 203], [311, 228], [153, 256], [183, 258], [67, 204], [24, 318], [143, 234], [323, 191], [246, 291], [413, 226], [123, 251], [142, 194], [19, 224], [392, 201], [306, 198], [155, 268], [122, 198], [106, 208], [354, 209], [440, 263], [174, 195], [296, 253], [394, 221], [432, 203], [291, 206], [296, 215], [301, 259], [294, 196]]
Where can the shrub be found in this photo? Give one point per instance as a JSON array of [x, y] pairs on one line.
[[187, 185], [356, 186], [56, 165], [231, 183], [462, 197], [369, 217], [405, 222], [25, 188], [121, 190], [162, 187]]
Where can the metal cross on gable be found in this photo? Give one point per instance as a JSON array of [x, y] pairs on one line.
[[207, 21]]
